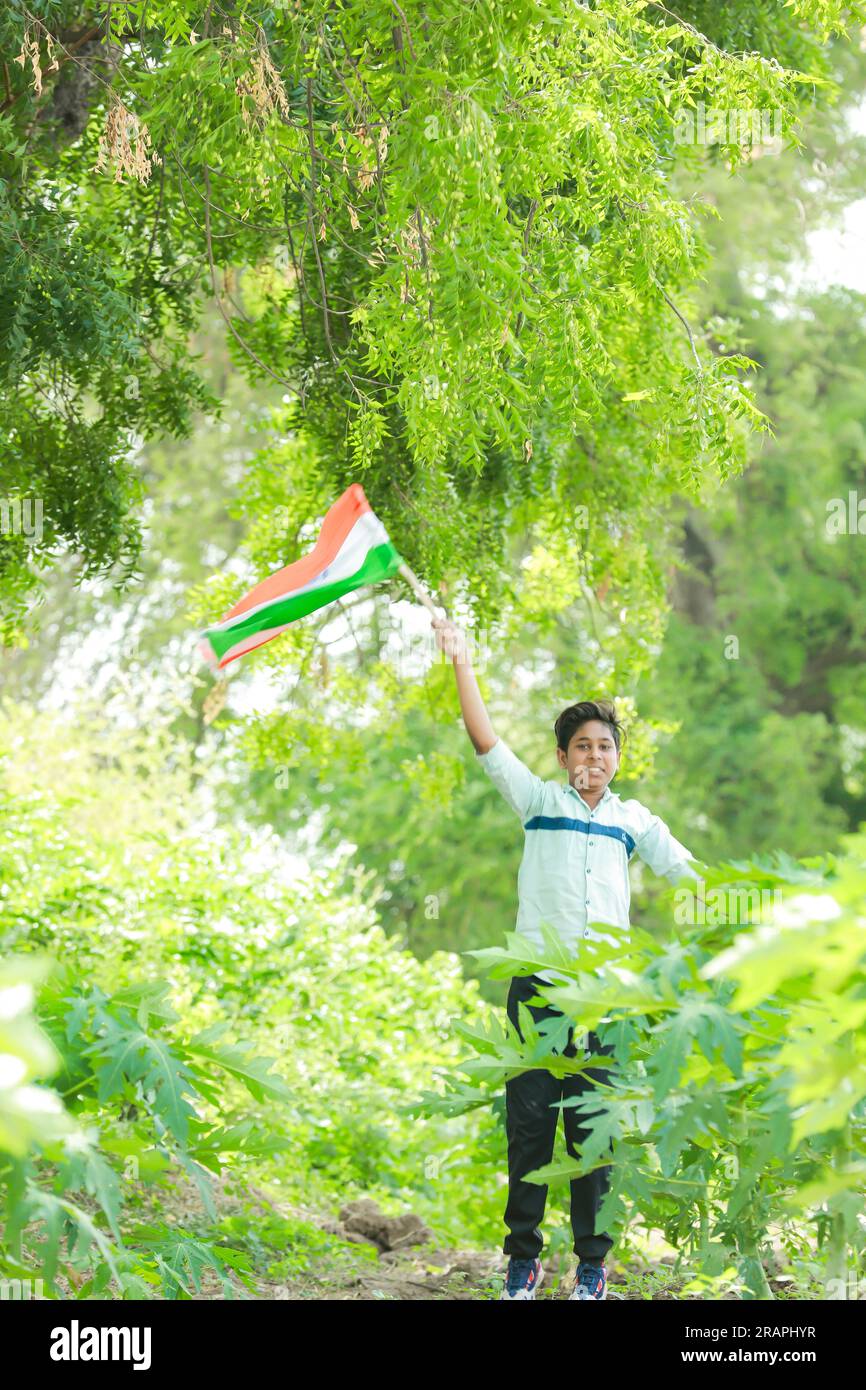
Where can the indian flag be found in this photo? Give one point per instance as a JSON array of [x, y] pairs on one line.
[[353, 549]]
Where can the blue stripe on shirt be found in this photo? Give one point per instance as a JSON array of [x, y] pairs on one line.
[[588, 828]]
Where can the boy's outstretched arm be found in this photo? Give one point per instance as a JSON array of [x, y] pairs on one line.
[[665, 854], [452, 641]]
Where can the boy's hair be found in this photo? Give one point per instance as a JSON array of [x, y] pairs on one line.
[[578, 714]]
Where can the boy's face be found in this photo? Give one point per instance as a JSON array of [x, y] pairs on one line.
[[592, 757]]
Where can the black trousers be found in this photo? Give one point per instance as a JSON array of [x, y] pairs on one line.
[[530, 1126]]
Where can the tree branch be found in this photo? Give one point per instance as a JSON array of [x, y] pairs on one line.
[[227, 317]]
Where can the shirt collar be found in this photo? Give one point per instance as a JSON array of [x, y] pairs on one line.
[[604, 796]]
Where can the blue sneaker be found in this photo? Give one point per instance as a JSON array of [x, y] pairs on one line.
[[524, 1277], [589, 1282]]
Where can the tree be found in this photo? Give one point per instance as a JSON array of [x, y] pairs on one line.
[[459, 246], [763, 656]]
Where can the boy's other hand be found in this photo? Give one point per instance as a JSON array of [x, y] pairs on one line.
[[451, 639]]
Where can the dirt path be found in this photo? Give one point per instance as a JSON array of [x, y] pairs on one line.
[[364, 1254]]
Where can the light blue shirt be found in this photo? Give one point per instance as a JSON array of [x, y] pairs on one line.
[[575, 858]]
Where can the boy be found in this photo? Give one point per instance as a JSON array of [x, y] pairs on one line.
[[579, 837]]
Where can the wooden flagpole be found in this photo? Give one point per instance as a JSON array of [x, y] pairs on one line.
[[418, 590]]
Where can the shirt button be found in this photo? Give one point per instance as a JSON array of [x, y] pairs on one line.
[[586, 933], [589, 871], [590, 841]]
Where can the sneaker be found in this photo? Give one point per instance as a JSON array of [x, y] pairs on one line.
[[589, 1282], [524, 1277]]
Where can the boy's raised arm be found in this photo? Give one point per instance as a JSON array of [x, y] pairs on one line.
[[523, 791], [452, 641]]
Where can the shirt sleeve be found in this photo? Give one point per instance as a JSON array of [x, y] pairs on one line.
[[521, 788], [663, 852]]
